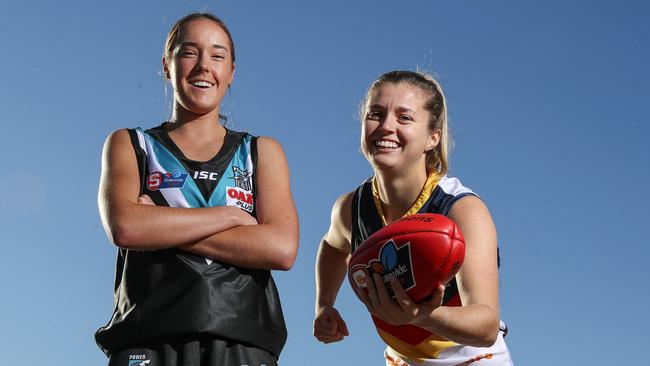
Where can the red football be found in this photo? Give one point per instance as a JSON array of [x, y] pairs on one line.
[[422, 251]]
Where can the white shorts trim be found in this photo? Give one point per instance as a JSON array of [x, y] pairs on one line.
[[496, 355]]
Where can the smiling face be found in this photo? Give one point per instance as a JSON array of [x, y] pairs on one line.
[[395, 134], [200, 67]]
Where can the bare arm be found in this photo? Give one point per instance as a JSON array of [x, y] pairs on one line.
[[331, 268], [132, 225], [477, 321], [273, 243]]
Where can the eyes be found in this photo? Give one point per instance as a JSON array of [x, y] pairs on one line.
[[406, 117], [378, 115], [193, 53], [374, 115]]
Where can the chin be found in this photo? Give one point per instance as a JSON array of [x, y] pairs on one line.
[[199, 108], [382, 164], [203, 111]]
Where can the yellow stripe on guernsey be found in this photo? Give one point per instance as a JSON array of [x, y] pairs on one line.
[[427, 349], [429, 185], [432, 346]]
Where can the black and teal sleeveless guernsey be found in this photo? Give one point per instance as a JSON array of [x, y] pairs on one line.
[[167, 294]]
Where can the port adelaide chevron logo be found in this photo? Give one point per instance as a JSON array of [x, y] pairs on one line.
[[243, 178]]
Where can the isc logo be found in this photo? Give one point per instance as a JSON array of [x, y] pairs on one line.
[[205, 175]]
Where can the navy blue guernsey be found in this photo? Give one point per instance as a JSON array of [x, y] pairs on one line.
[[165, 294], [366, 219]]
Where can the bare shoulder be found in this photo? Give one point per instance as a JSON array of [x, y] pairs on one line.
[[272, 167], [118, 151], [117, 138], [119, 180], [274, 198], [269, 146], [340, 232], [475, 222], [342, 209], [469, 209]]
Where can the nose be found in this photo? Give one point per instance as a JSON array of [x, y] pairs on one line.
[[202, 62], [388, 124]]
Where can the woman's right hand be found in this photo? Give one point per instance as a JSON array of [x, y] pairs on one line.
[[243, 217], [329, 326]]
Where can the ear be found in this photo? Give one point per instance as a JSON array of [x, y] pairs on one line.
[[232, 75], [165, 68], [433, 140]]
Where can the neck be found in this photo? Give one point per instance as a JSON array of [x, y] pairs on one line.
[[186, 123], [181, 115], [397, 192]]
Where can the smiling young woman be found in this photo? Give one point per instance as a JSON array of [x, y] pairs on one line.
[[200, 64], [200, 214], [404, 136]]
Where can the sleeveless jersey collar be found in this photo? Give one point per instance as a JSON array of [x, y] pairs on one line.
[[429, 185]]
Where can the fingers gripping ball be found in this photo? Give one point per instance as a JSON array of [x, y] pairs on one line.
[[422, 251]]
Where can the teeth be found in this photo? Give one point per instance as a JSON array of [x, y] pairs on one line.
[[384, 143], [202, 84]]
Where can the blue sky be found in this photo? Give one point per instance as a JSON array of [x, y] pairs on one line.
[[547, 103]]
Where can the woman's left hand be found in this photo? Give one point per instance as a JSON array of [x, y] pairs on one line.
[[402, 310]]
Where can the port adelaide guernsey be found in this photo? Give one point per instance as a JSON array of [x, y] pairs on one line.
[[162, 294]]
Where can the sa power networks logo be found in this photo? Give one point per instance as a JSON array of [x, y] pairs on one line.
[[392, 262], [138, 360], [158, 180]]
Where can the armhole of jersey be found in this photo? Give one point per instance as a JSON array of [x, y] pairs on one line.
[[456, 198], [355, 234], [451, 204], [254, 161], [140, 156], [498, 257]]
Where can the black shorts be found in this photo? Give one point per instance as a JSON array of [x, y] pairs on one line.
[[203, 352]]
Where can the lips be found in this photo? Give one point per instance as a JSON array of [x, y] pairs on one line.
[[201, 84], [386, 144]]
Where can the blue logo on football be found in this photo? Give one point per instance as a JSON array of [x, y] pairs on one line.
[[388, 256]]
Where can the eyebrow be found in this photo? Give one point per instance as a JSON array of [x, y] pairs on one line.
[[400, 108], [376, 106], [406, 109], [194, 44]]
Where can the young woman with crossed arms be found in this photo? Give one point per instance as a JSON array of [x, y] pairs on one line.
[[200, 214]]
